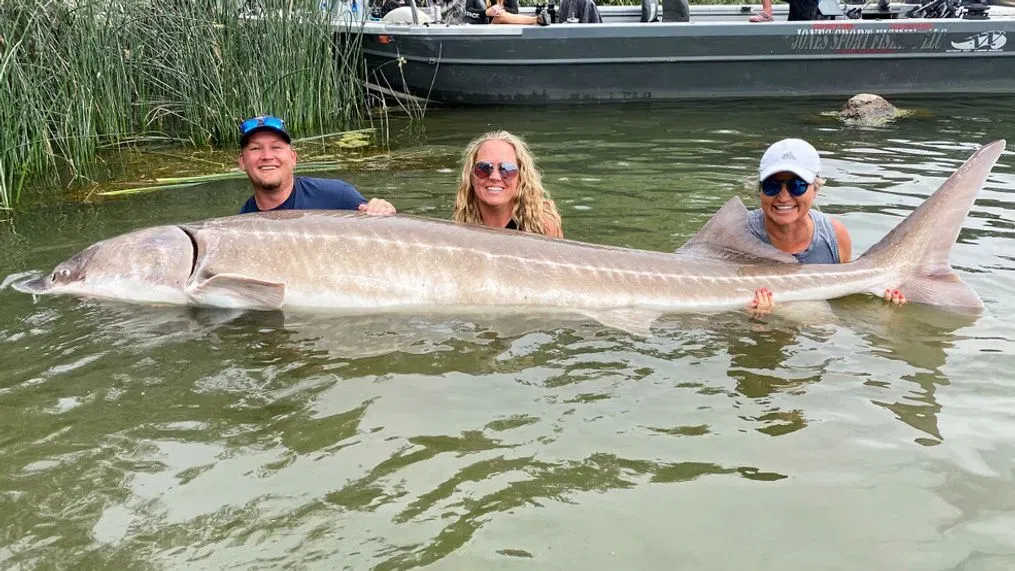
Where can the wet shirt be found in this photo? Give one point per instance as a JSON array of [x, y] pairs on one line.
[[824, 246], [316, 194]]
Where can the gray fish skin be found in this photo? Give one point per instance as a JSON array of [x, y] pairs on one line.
[[151, 265], [349, 262]]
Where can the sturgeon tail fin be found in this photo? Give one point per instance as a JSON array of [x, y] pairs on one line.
[[919, 246]]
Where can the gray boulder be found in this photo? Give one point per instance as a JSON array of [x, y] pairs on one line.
[[868, 109]]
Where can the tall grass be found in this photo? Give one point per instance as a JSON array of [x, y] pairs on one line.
[[77, 75]]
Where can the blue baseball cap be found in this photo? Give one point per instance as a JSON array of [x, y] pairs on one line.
[[262, 123]]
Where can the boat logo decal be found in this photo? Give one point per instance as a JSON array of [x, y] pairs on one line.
[[850, 38], [982, 42]]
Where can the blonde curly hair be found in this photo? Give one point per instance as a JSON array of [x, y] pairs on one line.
[[534, 211]]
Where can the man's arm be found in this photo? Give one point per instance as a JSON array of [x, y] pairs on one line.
[[335, 194]]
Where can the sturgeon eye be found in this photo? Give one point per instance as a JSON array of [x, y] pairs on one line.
[[63, 274]]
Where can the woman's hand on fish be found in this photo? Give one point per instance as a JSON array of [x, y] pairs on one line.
[[894, 296], [762, 302]]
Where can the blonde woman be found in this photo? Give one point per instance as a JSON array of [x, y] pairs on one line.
[[501, 187]]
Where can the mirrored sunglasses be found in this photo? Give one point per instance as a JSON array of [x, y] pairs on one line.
[[796, 186], [483, 170], [262, 121]]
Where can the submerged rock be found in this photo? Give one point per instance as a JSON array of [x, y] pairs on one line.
[[868, 109]]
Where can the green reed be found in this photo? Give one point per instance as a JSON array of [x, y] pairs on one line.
[[80, 75]]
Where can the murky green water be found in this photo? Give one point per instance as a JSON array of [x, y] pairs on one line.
[[135, 437]]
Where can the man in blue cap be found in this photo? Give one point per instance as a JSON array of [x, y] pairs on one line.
[[268, 159]]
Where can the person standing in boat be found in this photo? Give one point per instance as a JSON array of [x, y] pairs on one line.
[[501, 187], [268, 158], [799, 10]]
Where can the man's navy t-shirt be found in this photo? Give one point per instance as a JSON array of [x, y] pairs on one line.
[[316, 194]]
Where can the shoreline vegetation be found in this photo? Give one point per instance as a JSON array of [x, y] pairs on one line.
[[82, 77], [84, 83]]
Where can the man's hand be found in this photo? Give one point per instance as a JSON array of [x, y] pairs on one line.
[[377, 207]]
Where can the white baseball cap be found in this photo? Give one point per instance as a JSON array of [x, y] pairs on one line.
[[791, 155]]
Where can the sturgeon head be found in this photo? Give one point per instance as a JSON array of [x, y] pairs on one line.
[[149, 266]]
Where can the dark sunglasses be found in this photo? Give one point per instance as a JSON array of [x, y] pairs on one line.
[[483, 170], [796, 186], [263, 121]]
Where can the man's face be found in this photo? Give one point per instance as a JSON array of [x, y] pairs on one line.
[[268, 161]]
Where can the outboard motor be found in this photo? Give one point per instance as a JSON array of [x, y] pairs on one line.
[[976, 10], [935, 9]]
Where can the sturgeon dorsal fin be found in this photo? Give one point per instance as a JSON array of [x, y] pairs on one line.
[[726, 237]]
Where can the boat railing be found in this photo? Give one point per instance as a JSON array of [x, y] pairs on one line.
[[430, 11]]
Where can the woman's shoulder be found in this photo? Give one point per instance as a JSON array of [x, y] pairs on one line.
[[833, 231], [826, 223], [551, 226]]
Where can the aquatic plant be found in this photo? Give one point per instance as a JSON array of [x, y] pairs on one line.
[[80, 75]]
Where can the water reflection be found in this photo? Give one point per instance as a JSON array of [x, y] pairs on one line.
[[137, 437], [920, 337]]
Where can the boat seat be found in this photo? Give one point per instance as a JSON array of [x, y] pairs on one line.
[[578, 11], [676, 11], [403, 15]]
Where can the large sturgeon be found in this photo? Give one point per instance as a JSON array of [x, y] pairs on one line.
[[334, 260]]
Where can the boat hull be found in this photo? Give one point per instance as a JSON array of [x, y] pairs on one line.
[[475, 65]]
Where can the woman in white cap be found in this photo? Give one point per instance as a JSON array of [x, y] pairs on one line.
[[789, 184], [789, 177]]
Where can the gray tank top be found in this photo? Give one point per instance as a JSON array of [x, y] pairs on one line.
[[824, 246]]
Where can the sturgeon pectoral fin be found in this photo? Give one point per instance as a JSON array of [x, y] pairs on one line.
[[634, 321], [235, 291]]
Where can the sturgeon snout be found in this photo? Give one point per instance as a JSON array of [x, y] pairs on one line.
[[150, 265]]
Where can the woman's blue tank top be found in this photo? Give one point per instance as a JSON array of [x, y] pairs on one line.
[[824, 246]]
